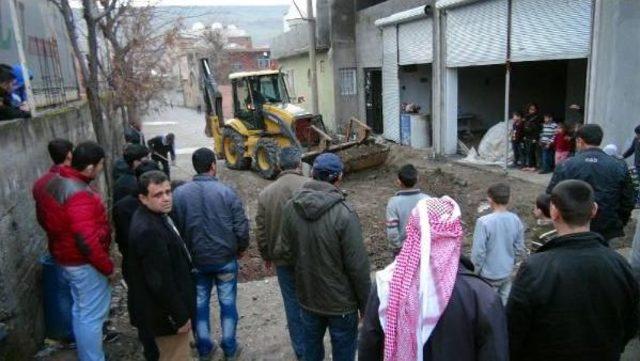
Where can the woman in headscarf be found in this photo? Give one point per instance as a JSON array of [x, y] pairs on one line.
[[428, 304]]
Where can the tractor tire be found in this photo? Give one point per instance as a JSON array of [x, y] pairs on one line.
[[265, 158], [234, 145]]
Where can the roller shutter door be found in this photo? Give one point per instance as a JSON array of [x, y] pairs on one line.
[[415, 42], [550, 29], [390, 84], [476, 34]]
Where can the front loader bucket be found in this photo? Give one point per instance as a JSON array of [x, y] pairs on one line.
[[363, 156], [361, 153]]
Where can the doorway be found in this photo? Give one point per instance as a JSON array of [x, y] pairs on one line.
[[373, 98]]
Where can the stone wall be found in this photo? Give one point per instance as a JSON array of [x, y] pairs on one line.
[[23, 145]]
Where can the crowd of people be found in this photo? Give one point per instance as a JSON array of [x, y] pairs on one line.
[[540, 143], [562, 295]]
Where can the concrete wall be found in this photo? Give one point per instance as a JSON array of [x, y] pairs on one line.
[[481, 92], [544, 83], [369, 39], [614, 98], [415, 86], [576, 85], [343, 56], [23, 144], [299, 66]]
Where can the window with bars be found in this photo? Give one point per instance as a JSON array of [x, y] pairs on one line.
[[348, 84]]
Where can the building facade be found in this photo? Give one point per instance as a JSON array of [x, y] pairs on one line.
[[448, 61]]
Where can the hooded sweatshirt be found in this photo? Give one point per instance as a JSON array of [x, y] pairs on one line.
[[323, 236]]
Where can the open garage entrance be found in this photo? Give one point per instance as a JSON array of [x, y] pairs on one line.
[[554, 85]]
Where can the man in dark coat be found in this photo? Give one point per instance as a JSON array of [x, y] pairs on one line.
[[123, 212], [162, 147], [331, 266], [575, 298], [268, 221], [133, 134], [634, 149], [473, 326], [609, 178], [127, 183], [161, 291]]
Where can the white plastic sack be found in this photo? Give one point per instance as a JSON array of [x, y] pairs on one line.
[[491, 149]]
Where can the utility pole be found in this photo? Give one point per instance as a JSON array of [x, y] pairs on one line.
[[507, 88], [311, 20]]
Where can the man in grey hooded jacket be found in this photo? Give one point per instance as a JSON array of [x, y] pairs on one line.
[[331, 265]]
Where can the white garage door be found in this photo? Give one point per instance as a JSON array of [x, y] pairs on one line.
[[550, 29], [476, 34], [390, 84], [415, 40]]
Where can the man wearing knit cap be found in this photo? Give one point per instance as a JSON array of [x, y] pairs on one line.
[[323, 235]]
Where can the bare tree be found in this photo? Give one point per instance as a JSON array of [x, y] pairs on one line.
[[139, 44], [90, 68], [213, 47]]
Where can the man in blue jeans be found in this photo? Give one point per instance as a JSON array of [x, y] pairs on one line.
[[331, 265], [213, 223], [268, 221], [79, 238]]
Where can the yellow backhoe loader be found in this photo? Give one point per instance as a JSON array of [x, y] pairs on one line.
[[265, 121]]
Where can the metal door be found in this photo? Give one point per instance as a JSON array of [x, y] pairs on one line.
[[373, 99]]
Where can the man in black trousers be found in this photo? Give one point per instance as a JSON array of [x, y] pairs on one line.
[[162, 294]]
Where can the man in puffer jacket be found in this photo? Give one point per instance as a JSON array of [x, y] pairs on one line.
[[211, 219], [331, 266], [79, 234]]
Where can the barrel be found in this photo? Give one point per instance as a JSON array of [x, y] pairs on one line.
[[57, 301]]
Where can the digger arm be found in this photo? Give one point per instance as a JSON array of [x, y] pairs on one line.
[[212, 96], [214, 119]]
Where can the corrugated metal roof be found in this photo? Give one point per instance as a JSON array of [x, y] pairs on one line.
[[401, 17]]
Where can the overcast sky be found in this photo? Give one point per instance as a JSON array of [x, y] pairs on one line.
[[216, 2]]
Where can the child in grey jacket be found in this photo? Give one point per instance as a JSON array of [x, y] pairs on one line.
[[400, 206], [498, 241]]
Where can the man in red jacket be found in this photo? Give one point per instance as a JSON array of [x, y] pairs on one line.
[[60, 153], [79, 238]]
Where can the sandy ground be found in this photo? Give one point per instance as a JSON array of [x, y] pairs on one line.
[[262, 327]]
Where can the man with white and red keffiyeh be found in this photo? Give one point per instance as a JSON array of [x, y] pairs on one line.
[[428, 304]]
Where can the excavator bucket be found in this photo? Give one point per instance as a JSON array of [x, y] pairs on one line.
[[358, 151]]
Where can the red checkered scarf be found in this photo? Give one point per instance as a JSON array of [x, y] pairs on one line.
[[414, 296]]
